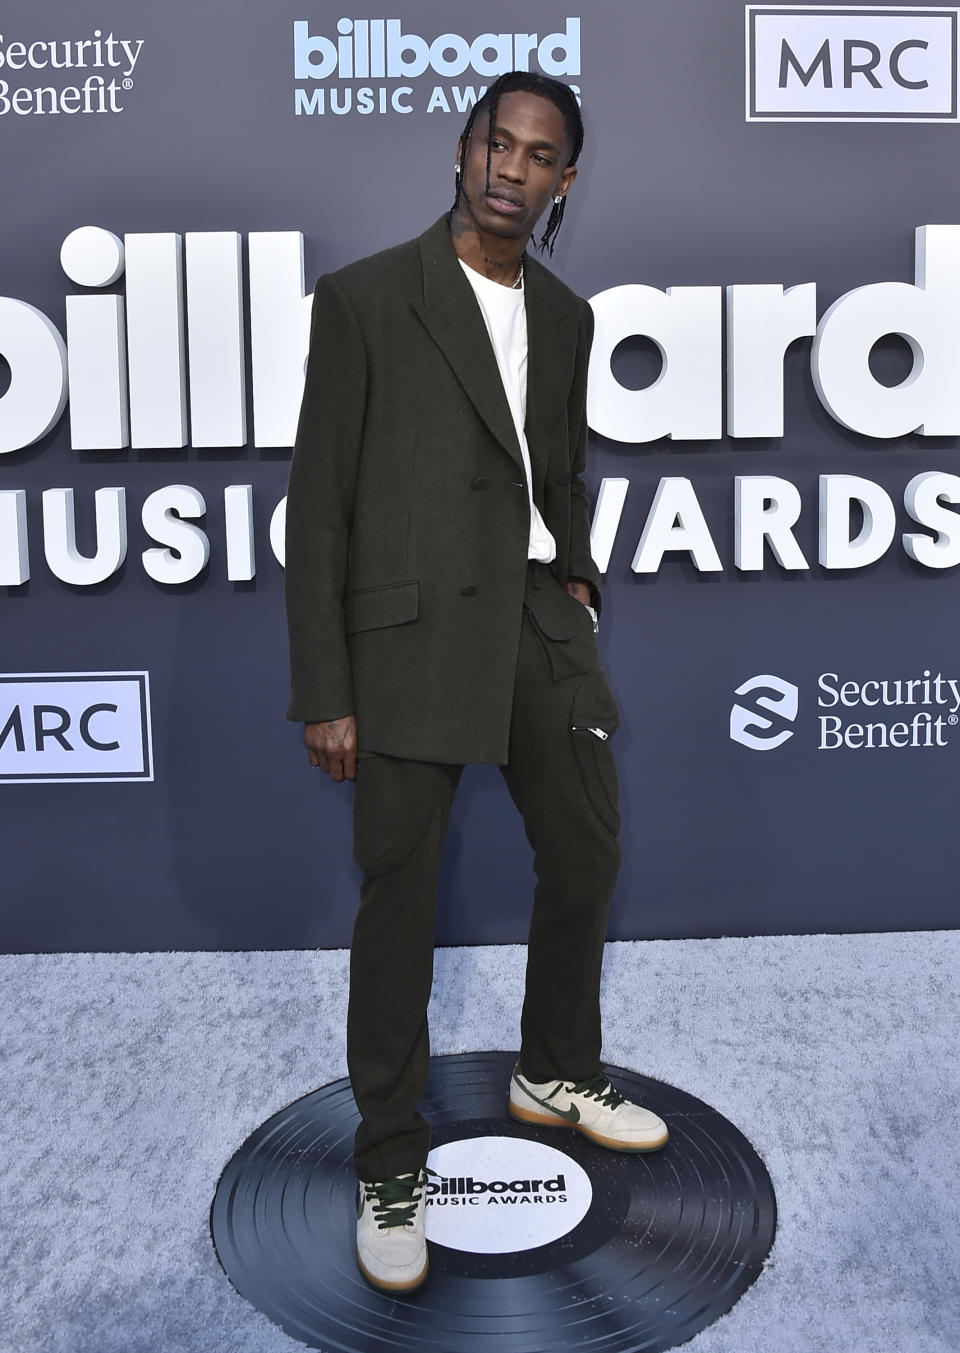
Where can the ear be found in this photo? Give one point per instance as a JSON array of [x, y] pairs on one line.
[[566, 178], [459, 148]]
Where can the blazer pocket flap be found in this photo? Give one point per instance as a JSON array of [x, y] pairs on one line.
[[376, 608]]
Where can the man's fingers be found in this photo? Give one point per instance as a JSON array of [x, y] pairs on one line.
[[331, 761], [343, 763], [332, 747]]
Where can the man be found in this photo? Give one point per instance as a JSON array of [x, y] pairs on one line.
[[439, 593]]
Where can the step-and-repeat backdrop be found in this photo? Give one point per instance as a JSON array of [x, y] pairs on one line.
[[767, 222]]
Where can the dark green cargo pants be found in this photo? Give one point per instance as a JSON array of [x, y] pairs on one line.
[[561, 776]]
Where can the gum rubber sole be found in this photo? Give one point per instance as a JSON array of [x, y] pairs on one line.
[[393, 1287], [611, 1143]]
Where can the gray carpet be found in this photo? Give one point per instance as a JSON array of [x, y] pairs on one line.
[[129, 1081]]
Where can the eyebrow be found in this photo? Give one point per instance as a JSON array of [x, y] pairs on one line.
[[534, 145]]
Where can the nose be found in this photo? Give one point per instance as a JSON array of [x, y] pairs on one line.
[[512, 166]]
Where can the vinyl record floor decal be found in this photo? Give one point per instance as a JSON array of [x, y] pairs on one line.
[[538, 1239]]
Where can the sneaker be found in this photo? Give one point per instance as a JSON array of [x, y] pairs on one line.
[[391, 1248], [592, 1107]]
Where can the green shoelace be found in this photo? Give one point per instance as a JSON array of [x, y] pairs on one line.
[[396, 1199], [598, 1087]]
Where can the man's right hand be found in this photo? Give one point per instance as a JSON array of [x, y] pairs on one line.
[[333, 747]]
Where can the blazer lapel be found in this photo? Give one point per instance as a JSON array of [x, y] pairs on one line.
[[551, 342], [452, 317]]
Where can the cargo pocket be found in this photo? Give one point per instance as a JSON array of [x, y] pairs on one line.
[[566, 637], [593, 720]]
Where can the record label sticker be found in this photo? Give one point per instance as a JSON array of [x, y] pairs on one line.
[[499, 1195]]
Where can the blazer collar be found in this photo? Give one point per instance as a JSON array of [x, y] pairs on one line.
[[551, 334], [452, 317]]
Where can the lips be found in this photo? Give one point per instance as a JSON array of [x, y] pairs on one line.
[[505, 201]]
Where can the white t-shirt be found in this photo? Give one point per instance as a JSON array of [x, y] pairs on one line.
[[505, 316]]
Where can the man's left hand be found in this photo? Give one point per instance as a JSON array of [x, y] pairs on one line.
[[579, 590]]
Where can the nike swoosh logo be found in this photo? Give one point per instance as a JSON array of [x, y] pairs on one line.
[[571, 1115]]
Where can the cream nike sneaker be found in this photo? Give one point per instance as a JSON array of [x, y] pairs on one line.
[[391, 1248], [592, 1107]]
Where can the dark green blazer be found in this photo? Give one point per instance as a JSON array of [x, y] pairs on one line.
[[407, 516]]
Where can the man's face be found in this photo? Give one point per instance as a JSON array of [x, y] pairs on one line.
[[528, 165]]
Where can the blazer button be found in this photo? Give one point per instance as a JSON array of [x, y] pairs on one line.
[[469, 591], [478, 483], [564, 477]]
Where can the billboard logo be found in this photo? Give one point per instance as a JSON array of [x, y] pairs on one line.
[[75, 727], [832, 63], [754, 730], [501, 1195], [379, 50]]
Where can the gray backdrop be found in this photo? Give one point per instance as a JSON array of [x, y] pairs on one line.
[[235, 843]]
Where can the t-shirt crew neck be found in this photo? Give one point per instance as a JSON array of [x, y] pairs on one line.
[[505, 316]]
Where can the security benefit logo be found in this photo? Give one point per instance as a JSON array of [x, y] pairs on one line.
[[378, 66], [750, 727], [75, 727], [832, 63], [44, 76], [499, 1195], [854, 713]]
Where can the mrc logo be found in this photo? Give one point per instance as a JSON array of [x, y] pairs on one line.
[[833, 63], [75, 727]]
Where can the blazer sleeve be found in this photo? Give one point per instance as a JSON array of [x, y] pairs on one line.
[[320, 501], [581, 564]]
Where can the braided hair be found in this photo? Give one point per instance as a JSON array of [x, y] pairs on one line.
[[562, 97]]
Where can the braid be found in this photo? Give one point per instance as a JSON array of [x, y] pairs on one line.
[[464, 139], [554, 221], [562, 97], [491, 122]]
